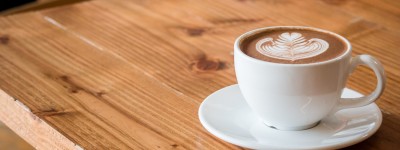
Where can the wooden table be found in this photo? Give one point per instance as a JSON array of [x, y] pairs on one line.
[[132, 74]]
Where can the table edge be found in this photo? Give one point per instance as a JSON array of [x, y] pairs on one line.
[[20, 119]]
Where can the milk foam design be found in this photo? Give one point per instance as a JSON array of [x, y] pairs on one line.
[[291, 46]]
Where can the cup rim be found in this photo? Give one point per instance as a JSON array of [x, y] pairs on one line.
[[240, 39]]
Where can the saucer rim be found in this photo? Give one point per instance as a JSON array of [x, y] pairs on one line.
[[234, 141]]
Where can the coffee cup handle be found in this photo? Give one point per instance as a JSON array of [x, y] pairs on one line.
[[377, 67]]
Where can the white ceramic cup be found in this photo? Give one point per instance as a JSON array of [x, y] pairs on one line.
[[298, 96]]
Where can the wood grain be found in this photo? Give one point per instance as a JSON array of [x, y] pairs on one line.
[[132, 74]]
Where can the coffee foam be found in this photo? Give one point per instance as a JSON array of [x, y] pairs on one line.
[[291, 46]]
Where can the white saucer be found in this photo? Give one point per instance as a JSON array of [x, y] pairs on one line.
[[226, 115]]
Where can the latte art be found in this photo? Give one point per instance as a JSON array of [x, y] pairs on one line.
[[291, 46]]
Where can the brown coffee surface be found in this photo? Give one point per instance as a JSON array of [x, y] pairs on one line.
[[293, 46]]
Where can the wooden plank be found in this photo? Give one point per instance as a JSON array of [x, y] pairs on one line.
[[131, 74], [95, 90], [33, 129], [186, 68]]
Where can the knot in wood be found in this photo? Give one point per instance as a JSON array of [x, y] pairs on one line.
[[204, 64], [195, 31], [4, 39]]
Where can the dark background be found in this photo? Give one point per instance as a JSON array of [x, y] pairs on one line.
[[6, 4]]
